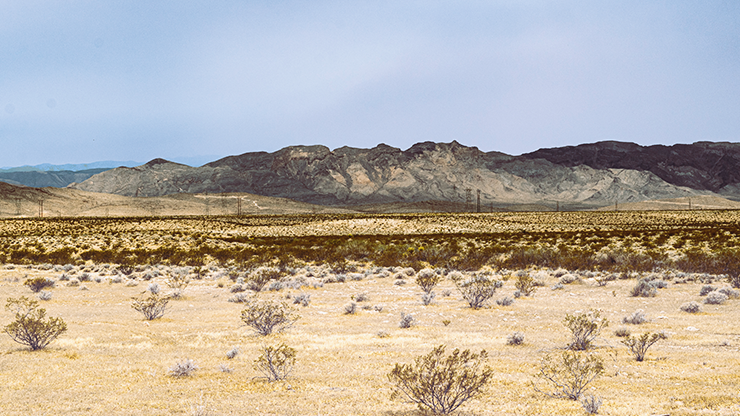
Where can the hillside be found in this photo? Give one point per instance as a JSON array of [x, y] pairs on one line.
[[425, 172]]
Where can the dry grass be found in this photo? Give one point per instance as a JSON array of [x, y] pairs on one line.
[[113, 362]]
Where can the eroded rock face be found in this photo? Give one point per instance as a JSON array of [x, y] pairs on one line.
[[426, 171], [702, 165]]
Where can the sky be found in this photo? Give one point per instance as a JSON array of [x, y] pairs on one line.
[[84, 81]]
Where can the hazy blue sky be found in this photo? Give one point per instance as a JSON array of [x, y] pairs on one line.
[[82, 81]]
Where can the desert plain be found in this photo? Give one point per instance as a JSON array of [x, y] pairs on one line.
[[113, 361]]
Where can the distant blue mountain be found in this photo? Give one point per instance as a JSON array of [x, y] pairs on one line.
[[46, 167]]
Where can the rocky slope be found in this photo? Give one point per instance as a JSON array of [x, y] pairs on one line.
[[702, 165], [384, 174]]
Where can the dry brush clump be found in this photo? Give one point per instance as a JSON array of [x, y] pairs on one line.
[[477, 289], [584, 328], [276, 362], [152, 307], [266, 317], [568, 374], [31, 327], [440, 384], [38, 284], [639, 345]]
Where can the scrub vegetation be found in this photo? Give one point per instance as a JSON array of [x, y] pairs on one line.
[[337, 314]]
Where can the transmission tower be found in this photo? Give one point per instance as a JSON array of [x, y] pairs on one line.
[[41, 207], [18, 206], [477, 205], [468, 198]]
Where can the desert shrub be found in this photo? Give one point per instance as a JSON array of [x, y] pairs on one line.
[[239, 298], [360, 297], [350, 308], [275, 286], [152, 307], [30, 326], [706, 289], [568, 374], [383, 334], [729, 292], [407, 320], [505, 301], [232, 353], [568, 278], [715, 298], [266, 317], [427, 279], [302, 299], [276, 363], [178, 280], [183, 368], [691, 307], [638, 317], [525, 284], [37, 284], [84, 277], [399, 282], [644, 288], [441, 384], [622, 332], [557, 286], [153, 288], [260, 276], [591, 404], [639, 345], [659, 284], [585, 328], [517, 338], [44, 295], [236, 288], [427, 298], [478, 290]]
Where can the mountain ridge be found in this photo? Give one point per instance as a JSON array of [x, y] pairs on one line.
[[597, 174]]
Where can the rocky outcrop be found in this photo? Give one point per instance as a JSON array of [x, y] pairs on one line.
[[384, 174], [702, 166]]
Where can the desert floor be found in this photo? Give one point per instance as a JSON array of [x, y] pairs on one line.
[[111, 361]]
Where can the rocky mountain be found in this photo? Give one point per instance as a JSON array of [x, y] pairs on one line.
[[701, 166], [425, 172]]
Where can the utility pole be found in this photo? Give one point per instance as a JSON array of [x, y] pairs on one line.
[[689, 204], [468, 198], [208, 207], [477, 205], [238, 207], [18, 207], [616, 205], [41, 207], [557, 206]]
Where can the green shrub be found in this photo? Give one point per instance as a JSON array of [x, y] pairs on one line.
[[266, 317], [441, 384], [568, 374], [152, 307], [584, 328], [276, 363], [30, 326], [639, 345], [37, 284]]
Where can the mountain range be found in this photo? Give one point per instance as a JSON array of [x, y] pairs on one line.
[[584, 176]]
